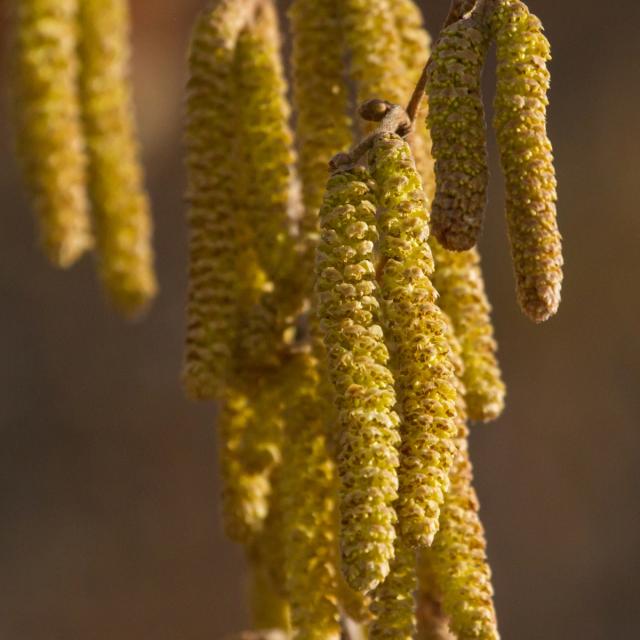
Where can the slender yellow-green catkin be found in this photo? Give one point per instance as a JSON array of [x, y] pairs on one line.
[[211, 304], [458, 279], [457, 276], [269, 610], [456, 121], [308, 507], [415, 327], [320, 96], [48, 124], [526, 156], [119, 203], [373, 49], [264, 142], [245, 494], [350, 317], [393, 603], [456, 565]]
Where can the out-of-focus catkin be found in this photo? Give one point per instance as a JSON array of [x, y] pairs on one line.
[[320, 97], [48, 124], [526, 156], [457, 124], [458, 279], [415, 328], [308, 507], [373, 48], [349, 309], [264, 143], [432, 622], [393, 603], [245, 494], [119, 203], [212, 296]]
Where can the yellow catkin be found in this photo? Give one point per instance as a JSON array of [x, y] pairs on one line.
[[373, 49], [458, 278], [432, 622], [350, 317], [245, 494], [119, 202], [268, 609], [456, 565], [526, 156], [264, 143], [393, 602], [212, 296], [457, 124], [457, 275], [308, 507], [48, 124], [320, 96], [415, 327]]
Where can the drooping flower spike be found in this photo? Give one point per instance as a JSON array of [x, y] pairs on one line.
[[48, 124], [457, 124], [119, 203], [415, 329], [350, 313], [526, 156]]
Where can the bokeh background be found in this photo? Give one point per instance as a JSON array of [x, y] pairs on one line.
[[109, 501]]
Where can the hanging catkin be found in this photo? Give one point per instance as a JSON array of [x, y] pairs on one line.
[[456, 121], [349, 308], [432, 623], [458, 278], [526, 156], [211, 304], [264, 142], [321, 100], [308, 507], [48, 124], [119, 203], [415, 328], [245, 494], [393, 601]]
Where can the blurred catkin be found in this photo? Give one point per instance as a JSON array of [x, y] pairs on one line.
[[321, 100], [48, 124], [245, 494], [458, 278], [457, 124], [415, 327], [308, 507], [211, 304], [119, 202], [349, 308], [393, 602], [526, 156], [432, 623]]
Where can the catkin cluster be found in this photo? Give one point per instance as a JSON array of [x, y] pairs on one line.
[[349, 345], [76, 137]]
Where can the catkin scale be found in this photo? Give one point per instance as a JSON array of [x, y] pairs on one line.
[[458, 131], [213, 243], [526, 156], [415, 327], [119, 203], [48, 124], [308, 507], [349, 308]]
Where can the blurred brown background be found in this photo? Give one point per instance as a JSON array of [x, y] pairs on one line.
[[108, 482]]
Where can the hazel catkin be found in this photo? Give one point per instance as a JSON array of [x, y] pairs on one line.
[[213, 248], [415, 328], [350, 316], [119, 202], [49, 134], [457, 125], [526, 157]]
